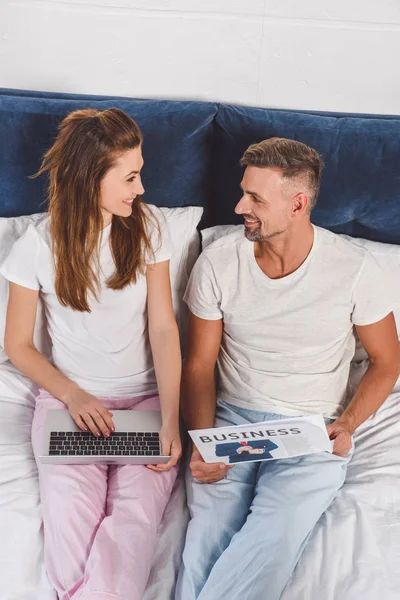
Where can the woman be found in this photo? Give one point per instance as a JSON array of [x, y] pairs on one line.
[[100, 263]]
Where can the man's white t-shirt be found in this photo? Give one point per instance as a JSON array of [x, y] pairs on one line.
[[287, 343], [107, 351]]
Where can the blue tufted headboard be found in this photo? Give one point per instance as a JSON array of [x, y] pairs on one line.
[[177, 146], [192, 152], [360, 192]]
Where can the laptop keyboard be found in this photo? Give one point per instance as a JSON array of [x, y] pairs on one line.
[[84, 443]]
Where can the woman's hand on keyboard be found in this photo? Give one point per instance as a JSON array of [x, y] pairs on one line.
[[170, 441], [89, 413]]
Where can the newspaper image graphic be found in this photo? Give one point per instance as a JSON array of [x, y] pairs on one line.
[[268, 440]]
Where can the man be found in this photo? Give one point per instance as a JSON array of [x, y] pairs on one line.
[[276, 308]]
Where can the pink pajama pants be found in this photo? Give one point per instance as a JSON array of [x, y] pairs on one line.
[[100, 522]]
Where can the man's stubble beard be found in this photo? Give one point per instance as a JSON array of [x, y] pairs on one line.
[[258, 236]]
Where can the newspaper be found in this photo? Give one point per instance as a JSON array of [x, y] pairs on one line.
[[268, 440]]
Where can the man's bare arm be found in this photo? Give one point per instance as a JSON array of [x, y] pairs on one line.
[[198, 389], [381, 343], [198, 382]]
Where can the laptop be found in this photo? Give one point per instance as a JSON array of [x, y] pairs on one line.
[[135, 440]]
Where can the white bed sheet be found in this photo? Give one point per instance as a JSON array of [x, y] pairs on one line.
[[22, 574], [353, 553]]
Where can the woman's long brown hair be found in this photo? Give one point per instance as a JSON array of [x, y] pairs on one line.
[[88, 143]]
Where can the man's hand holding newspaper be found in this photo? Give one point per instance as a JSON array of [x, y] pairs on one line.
[[219, 449]]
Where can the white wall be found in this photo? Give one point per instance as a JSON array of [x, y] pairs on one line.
[[339, 55]]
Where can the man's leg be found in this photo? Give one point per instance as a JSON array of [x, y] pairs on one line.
[[290, 497], [218, 511]]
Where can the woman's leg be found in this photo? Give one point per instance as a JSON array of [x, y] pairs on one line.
[[73, 502], [123, 549]]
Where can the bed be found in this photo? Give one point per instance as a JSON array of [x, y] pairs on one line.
[[354, 552]]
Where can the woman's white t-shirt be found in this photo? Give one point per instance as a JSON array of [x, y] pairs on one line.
[[107, 351]]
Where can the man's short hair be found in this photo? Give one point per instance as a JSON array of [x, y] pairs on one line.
[[294, 159]]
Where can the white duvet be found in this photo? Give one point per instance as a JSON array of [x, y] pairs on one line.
[[353, 554]]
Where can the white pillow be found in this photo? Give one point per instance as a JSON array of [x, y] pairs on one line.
[[182, 223], [209, 235], [388, 256], [10, 230]]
